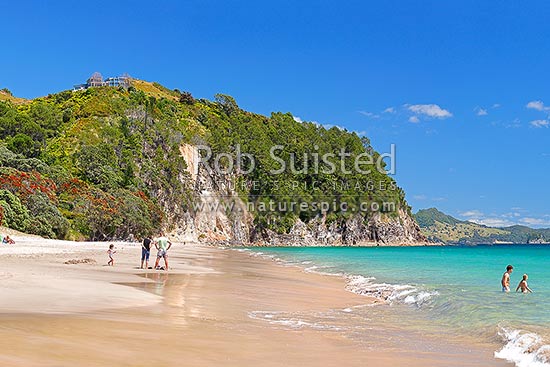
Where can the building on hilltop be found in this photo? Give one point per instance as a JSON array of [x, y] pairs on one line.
[[96, 80]]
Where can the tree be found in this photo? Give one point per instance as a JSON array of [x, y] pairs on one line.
[[14, 214], [25, 145], [227, 103], [46, 117], [46, 220], [187, 98], [99, 165]]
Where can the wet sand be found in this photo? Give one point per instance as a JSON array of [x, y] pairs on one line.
[[212, 308]]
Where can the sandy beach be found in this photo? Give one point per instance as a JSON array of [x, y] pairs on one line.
[[62, 306]]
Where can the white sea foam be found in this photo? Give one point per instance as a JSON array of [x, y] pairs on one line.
[[402, 293], [311, 269], [292, 321], [525, 349]]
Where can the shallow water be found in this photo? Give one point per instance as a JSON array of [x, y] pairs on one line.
[[453, 292]]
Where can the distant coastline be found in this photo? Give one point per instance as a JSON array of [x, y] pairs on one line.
[[438, 226]]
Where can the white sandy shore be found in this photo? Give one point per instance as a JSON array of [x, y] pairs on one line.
[[35, 277], [199, 313]]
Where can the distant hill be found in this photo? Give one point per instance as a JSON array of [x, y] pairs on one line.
[[438, 226], [429, 217]]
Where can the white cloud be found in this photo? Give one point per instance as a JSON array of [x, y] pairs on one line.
[[330, 126], [496, 105], [431, 110], [481, 111], [537, 105], [511, 215], [510, 218], [540, 123], [369, 114], [493, 222], [414, 119], [535, 221], [389, 110], [299, 119], [513, 125], [422, 197], [361, 133], [472, 214]]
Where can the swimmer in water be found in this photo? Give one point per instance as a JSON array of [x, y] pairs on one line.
[[523, 285]]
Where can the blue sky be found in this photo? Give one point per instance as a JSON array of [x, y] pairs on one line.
[[459, 86]]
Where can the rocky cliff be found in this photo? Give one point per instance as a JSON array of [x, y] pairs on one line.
[[219, 215], [379, 230]]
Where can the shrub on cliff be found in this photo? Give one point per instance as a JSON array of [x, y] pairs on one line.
[[25, 145], [9, 158], [98, 165], [46, 220], [13, 213]]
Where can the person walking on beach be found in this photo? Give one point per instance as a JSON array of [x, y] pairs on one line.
[[111, 251], [145, 252], [162, 244], [523, 285], [505, 281]]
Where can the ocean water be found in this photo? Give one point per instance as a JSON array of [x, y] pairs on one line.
[[453, 292]]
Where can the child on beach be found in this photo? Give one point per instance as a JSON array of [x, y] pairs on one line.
[[523, 285], [111, 251]]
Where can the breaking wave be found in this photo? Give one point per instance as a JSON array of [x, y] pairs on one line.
[[525, 349], [399, 293]]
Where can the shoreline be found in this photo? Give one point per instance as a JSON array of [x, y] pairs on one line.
[[212, 307], [360, 244]]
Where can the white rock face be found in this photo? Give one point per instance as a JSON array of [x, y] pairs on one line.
[[218, 214]]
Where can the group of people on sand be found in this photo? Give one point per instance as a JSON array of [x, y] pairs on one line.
[[6, 240], [505, 281], [162, 245]]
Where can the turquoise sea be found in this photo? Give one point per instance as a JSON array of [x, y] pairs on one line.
[[448, 290]]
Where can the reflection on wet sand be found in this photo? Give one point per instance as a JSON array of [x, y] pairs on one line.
[[205, 319]]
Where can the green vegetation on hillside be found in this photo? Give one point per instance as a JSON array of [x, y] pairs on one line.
[[428, 217], [104, 163], [438, 226]]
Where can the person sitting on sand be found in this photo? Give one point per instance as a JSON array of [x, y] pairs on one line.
[[8, 240], [523, 285], [145, 251], [111, 251], [163, 245], [505, 281]]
